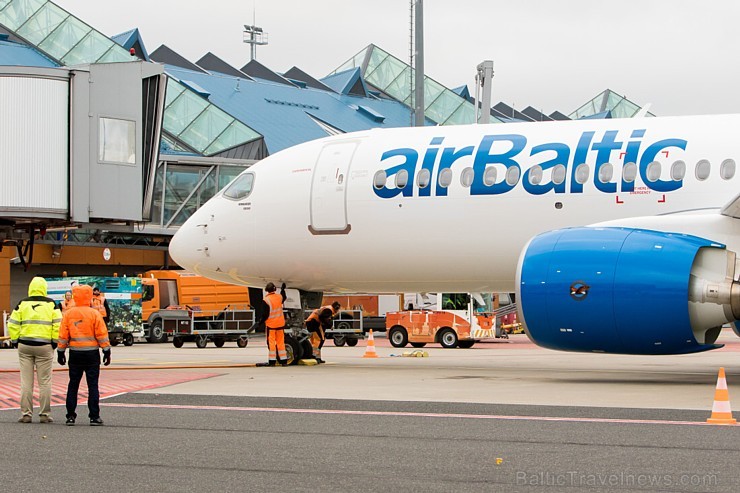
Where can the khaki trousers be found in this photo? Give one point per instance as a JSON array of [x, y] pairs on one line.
[[40, 358]]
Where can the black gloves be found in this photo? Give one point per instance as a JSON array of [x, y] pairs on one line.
[[61, 358], [54, 345], [282, 287], [14, 344], [106, 358]]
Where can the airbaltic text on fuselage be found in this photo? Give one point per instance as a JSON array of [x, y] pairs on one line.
[[510, 153]]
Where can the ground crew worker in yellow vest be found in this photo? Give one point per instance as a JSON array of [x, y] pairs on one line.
[[34, 329], [317, 323], [101, 304], [84, 331], [274, 320]]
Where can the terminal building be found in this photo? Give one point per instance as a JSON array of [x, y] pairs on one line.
[[107, 148]]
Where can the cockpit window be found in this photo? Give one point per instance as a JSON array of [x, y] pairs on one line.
[[240, 188]]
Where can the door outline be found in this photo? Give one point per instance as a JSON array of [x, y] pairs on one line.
[[344, 181]]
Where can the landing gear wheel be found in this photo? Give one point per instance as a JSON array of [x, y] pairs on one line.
[[177, 342], [156, 332], [292, 350], [219, 342], [339, 341], [418, 344], [398, 336], [447, 338], [242, 341], [465, 344], [352, 342], [306, 349], [201, 341], [128, 339]]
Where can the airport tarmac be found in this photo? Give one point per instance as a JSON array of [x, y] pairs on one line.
[[501, 416]]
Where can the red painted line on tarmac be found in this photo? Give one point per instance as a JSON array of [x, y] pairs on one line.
[[408, 414]]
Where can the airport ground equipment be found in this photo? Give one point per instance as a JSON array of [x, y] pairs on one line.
[[165, 289], [230, 324], [458, 321], [124, 300], [347, 328]]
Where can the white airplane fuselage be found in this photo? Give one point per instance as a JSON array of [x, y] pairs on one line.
[[316, 220]]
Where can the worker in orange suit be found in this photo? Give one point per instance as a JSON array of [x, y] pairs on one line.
[[84, 332], [101, 304], [274, 320], [317, 323], [67, 302]]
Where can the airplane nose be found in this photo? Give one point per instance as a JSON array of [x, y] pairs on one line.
[[186, 246]]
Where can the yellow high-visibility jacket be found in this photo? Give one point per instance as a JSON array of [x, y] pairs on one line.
[[36, 319]]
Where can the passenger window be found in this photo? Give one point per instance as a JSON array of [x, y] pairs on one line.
[[703, 168], [489, 176], [727, 169], [653, 171], [466, 178], [582, 173], [422, 178], [629, 172], [558, 174], [512, 175], [445, 178], [402, 178], [535, 175], [240, 188], [606, 172], [380, 179], [678, 171]]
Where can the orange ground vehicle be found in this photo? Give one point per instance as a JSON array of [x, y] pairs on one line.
[[458, 321], [167, 289]]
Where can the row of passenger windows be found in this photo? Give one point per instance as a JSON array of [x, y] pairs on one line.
[[702, 171]]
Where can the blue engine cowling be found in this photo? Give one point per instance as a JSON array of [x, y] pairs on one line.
[[613, 290]]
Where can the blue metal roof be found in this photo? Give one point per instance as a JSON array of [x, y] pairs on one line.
[[282, 113], [344, 82], [129, 38], [17, 54]]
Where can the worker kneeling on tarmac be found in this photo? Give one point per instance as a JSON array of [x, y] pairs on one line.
[[318, 323]]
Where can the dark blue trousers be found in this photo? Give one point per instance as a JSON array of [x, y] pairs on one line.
[[92, 375]]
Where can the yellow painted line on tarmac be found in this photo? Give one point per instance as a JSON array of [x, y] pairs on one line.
[[199, 362]]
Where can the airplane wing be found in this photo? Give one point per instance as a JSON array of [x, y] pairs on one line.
[[732, 208]]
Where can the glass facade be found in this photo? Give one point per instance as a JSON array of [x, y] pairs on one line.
[[395, 78], [203, 127], [180, 189], [59, 34], [618, 106]]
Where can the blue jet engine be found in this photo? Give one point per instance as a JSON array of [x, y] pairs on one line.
[[629, 291]]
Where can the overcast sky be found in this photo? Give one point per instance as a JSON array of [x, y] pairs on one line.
[[679, 55]]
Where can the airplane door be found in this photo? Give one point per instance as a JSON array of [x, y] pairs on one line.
[[329, 189]]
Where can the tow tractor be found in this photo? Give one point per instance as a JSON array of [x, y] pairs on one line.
[[456, 320]]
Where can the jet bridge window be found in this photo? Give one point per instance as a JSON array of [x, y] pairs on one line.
[[727, 169], [240, 188]]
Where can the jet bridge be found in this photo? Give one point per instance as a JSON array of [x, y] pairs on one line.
[[78, 146]]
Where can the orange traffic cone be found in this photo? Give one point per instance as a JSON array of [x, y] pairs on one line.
[[370, 349], [721, 412]]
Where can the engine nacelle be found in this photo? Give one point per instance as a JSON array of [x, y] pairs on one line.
[[621, 290]]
